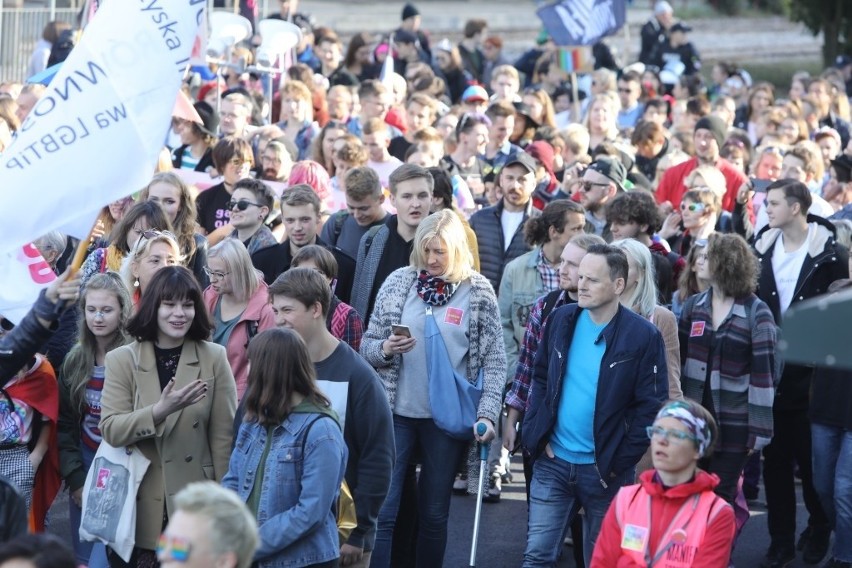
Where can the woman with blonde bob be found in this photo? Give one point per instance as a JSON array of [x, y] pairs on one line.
[[439, 280], [727, 346], [153, 251], [640, 295], [238, 301]]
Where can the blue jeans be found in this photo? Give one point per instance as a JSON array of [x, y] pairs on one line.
[[439, 458], [557, 492], [92, 554], [832, 459]]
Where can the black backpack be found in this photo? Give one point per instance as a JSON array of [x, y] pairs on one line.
[[62, 48]]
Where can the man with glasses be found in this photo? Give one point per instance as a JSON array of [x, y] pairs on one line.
[[629, 90], [602, 181], [234, 115], [275, 162]]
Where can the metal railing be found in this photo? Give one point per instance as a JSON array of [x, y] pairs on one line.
[[20, 30]]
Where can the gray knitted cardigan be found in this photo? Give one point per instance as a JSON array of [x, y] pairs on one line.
[[487, 350]]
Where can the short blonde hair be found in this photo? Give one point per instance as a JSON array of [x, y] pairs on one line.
[[447, 226], [713, 178], [244, 277], [141, 249]]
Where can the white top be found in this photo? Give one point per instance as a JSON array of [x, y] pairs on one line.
[[510, 220], [384, 169], [787, 266]]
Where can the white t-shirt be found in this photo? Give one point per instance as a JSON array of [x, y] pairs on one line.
[[510, 220], [787, 266], [384, 169]]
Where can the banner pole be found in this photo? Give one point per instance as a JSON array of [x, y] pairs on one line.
[[82, 249], [575, 96]]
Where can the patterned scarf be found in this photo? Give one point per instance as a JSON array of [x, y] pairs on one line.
[[433, 290]]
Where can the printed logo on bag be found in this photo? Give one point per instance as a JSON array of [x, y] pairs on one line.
[[454, 316], [634, 538], [697, 329], [103, 478]]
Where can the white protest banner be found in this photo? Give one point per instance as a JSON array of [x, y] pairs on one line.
[[95, 135], [25, 273]]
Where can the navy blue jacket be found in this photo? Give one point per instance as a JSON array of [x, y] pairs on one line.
[[632, 387]]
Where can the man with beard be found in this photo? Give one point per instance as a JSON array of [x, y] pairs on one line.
[[709, 137], [500, 228], [276, 162], [602, 181]]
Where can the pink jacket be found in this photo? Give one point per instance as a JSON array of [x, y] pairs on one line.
[[258, 313]]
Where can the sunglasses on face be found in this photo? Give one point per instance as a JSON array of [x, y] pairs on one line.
[[694, 207], [241, 205], [153, 233], [590, 185], [173, 548]]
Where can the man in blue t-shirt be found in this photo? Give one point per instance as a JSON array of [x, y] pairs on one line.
[[598, 380]]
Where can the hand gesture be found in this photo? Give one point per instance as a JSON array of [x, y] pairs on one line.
[[172, 400], [671, 226], [64, 288], [489, 431]]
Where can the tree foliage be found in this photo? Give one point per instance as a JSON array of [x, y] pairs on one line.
[[831, 17]]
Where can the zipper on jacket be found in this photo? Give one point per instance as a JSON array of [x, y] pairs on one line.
[[655, 379], [614, 363], [600, 477]]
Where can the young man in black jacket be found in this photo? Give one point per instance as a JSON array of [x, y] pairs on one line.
[[799, 259]]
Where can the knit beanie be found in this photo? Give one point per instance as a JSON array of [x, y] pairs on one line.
[[716, 127], [409, 11]]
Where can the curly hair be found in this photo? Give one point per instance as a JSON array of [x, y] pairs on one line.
[[636, 206], [733, 265]]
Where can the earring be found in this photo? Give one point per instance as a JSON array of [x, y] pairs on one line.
[[136, 283]]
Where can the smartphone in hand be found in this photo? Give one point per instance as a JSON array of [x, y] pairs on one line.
[[403, 330]]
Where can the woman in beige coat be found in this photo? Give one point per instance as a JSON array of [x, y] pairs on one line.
[[170, 393]]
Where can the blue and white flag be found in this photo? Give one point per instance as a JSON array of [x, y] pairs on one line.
[[95, 135], [582, 22]]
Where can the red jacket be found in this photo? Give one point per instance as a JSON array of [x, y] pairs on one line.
[[715, 550], [671, 186]]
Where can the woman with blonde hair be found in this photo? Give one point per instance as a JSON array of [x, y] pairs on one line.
[[439, 281], [154, 250], [700, 209], [178, 201], [640, 295], [105, 308], [601, 119], [238, 301]]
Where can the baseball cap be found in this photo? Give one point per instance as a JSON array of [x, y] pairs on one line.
[[523, 159], [611, 169], [474, 94], [842, 61], [680, 27]]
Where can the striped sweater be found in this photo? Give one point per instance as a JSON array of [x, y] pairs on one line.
[[487, 351], [741, 369]]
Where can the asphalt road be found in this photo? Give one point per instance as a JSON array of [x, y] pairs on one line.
[[503, 530]]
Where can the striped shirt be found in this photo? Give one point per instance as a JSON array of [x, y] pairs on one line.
[[91, 433]]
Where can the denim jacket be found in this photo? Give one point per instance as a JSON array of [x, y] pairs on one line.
[[296, 516]]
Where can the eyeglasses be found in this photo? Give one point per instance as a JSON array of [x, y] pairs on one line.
[[238, 162], [626, 90], [694, 207], [173, 548], [213, 275], [242, 204], [590, 185], [668, 435]]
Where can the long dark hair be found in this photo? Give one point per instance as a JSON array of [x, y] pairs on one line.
[[279, 366], [170, 283]]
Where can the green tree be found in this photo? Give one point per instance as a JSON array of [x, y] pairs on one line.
[[831, 17]]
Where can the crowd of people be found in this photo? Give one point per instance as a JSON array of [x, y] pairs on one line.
[[609, 275]]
